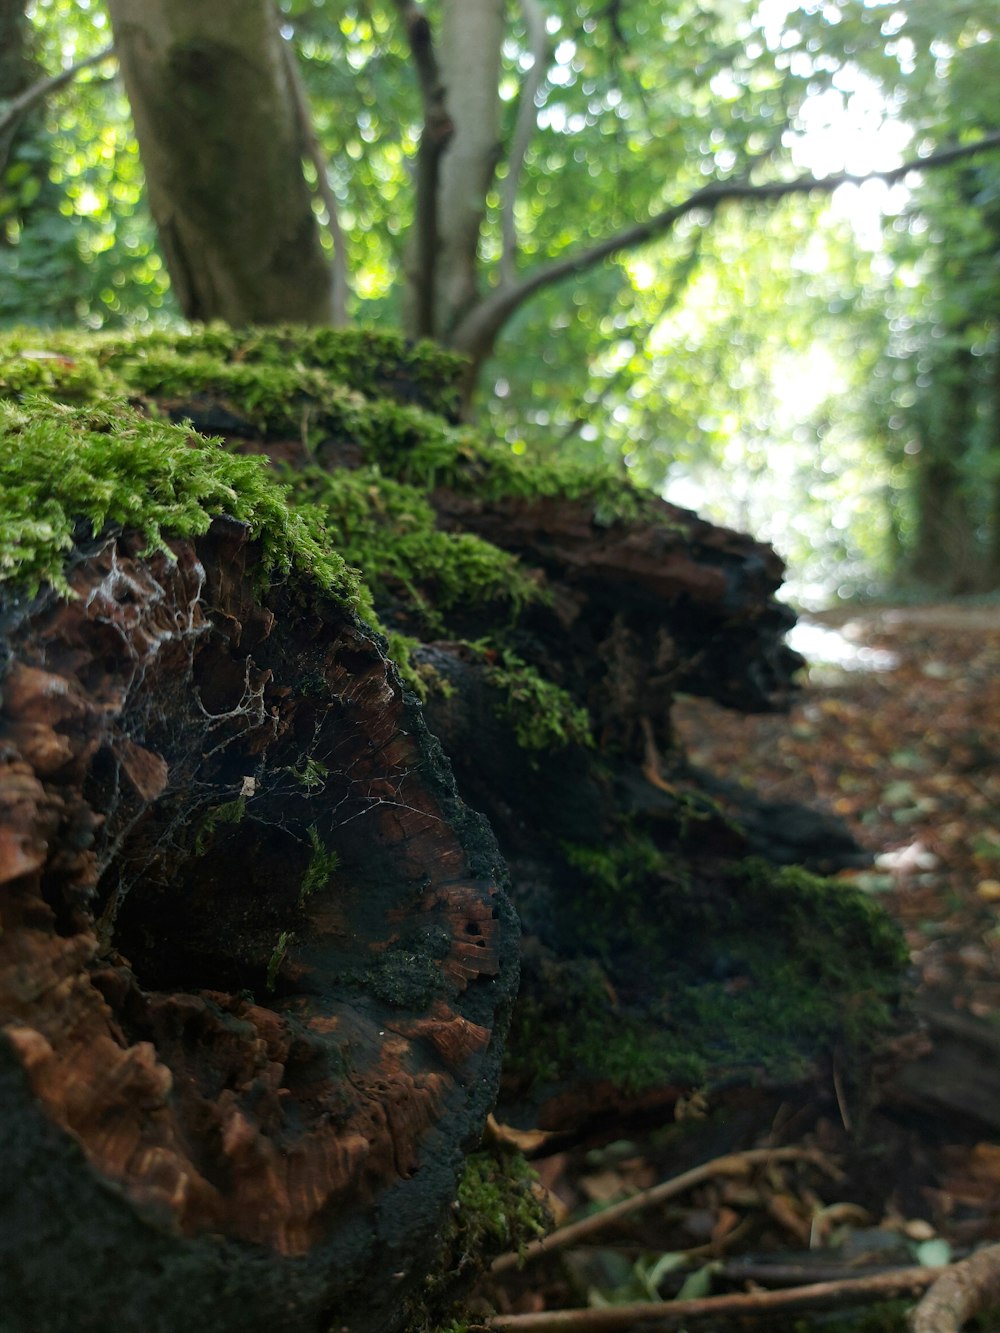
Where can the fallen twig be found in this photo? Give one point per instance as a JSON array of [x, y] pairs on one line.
[[819, 1295], [735, 1164], [960, 1292]]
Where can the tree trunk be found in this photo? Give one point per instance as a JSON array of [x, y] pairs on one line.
[[221, 151], [471, 38], [15, 67]]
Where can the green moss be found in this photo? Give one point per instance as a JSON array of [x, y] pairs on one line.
[[715, 995], [498, 1208], [376, 362], [322, 864], [389, 530], [363, 359], [569, 1028], [307, 383], [543, 715], [276, 959], [109, 468], [230, 812], [624, 888]]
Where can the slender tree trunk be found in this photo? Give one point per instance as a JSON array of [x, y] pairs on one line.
[[471, 38], [221, 149]]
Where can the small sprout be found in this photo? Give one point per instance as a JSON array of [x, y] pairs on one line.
[[321, 866], [276, 959], [230, 812], [311, 775]]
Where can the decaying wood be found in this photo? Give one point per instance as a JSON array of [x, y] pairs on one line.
[[253, 949], [964, 1290], [648, 607]]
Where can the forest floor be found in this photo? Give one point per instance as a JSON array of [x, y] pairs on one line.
[[897, 731]]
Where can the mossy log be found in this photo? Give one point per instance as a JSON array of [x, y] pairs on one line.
[[293, 862], [254, 954]]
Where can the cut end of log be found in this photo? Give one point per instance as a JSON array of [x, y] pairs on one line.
[[253, 947]]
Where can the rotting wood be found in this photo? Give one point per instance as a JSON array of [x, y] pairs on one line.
[[259, 1071]]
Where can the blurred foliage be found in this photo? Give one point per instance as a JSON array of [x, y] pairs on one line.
[[762, 362]]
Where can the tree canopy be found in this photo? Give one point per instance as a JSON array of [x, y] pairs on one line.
[[645, 255]]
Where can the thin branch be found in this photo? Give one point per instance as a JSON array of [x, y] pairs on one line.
[[765, 1304], [524, 128], [476, 333], [736, 1164], [17, 107], [314, 153], [434, 139], [960, 1292]]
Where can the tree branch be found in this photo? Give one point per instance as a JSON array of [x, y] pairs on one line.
[[765, 1304], [434, 138], [314, 153], [524, 128], [959, 1293], [17, 107], [735, 1164], [476, 333]]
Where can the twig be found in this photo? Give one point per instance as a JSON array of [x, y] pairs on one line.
[[736, 1164], [16, 108], [524, 128], [314, 153], [960, 1292], [668, 1314]]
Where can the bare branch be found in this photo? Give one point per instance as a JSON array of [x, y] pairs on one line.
[[959, 1293], [17, 107], [735, 1164], [524, 128], [765, 1304], [477, 332], [314, 153], [437, 132]]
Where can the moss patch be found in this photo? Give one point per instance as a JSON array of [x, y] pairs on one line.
[[317, 384], [68, 474], [721, 993], [543, 715], [389, 530], [498, 1208]]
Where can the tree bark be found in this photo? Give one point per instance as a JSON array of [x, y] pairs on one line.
[[471, 38], [221, 149]]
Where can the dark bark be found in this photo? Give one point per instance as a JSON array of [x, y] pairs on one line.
[[236, 1080]]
